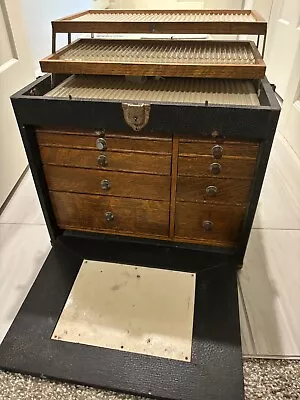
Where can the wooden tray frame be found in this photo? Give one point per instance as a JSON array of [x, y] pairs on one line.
[[68, 25], [53, 64]]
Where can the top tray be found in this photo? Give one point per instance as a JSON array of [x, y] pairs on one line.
[[163, 21]]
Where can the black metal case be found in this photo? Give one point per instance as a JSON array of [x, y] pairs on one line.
[[216, 369]]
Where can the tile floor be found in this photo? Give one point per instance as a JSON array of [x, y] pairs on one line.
[[269, 284]]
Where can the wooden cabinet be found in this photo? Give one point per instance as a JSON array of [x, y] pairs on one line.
[[129, 179], [208, 223], [108, 183], [150, 153], [111, 214]]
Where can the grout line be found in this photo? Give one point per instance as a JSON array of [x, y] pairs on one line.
[[271, 357], [13, 190], [21, 223], [277, 229], [246, 314]]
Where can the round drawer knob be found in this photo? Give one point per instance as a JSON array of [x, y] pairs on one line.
[[207, 226], [101, 144], [102, 161], [105, 184], [215, 168], [109, 216], [211, 191], [217, 151]]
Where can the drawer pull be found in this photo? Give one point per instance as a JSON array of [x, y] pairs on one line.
[[207, 226], [211, 191], [215, 168], [217, 151], [102, 161], [101, 144], [109, 216], [105, 184]]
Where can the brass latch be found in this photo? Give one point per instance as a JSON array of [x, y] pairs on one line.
[[136, 115]]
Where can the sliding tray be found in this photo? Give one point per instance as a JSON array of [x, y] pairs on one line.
[[206, 59], [163, 21]]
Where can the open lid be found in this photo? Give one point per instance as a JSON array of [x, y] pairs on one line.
[[205, 59], [163, 21]]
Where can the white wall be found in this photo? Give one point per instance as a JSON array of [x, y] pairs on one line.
[[37, 20]]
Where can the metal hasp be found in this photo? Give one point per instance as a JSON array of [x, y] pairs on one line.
[[136, 115]]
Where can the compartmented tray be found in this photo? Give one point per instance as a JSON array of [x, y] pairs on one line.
[[163, 21], [206, 59], [168, 90]]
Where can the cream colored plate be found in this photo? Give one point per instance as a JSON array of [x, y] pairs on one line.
[[136, 309]]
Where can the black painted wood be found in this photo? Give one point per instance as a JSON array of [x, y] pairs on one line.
[[192, 119], [150, 252], [243, 123], [216, 368], [261, 167], [36, 167], [215, 372]]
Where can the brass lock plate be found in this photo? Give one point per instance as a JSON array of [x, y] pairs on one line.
[[136, 115]]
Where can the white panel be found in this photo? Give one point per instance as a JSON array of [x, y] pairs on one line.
[[286, 13], [289, 123], [38, 15], [283, 40], [262, 6], [7, 49], [270, 283], [129, 308], [292, 128], [14, 74]]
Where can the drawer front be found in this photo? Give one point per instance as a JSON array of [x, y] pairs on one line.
[[113, 142], [210, 224], [112, 214], [218, 150], [114, 161], [227, 167], [213, 190], [123, 184]]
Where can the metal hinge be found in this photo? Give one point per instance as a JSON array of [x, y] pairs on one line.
[[136, 115]]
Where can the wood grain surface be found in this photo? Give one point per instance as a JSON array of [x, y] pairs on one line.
[[204, 147], [230, 191], [238, 71], [94, 57], [231, 167], [226, 221], [116, 161], [174, 171], [69, 24], [81, 140], [122, 184], [82, 211]]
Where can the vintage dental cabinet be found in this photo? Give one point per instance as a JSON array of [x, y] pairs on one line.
[[147, 152]]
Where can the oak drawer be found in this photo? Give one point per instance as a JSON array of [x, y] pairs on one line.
[[114, 142], [213, 190], [113, 214], [123, 184], [226, 148], [227, 167], [194, 221], [132, 162]]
